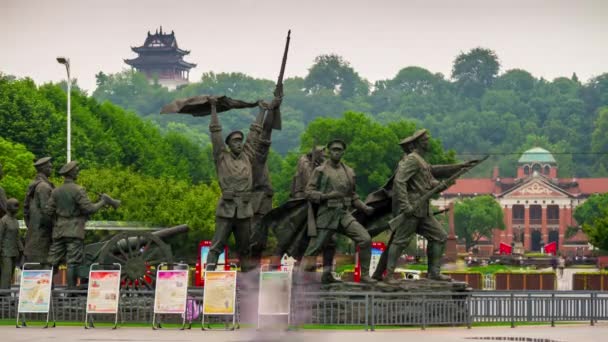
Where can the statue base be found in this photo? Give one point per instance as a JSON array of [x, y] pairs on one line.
[[423, 285]]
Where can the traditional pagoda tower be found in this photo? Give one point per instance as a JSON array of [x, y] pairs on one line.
[[160, 58]]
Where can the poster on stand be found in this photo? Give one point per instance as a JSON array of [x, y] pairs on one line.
[[375, 259], [275, 293], [104, 292], [171, 291], [35, 291], [220, 293]]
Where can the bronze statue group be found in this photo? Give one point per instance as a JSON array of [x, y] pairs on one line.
[[323, 202], [55, 218]]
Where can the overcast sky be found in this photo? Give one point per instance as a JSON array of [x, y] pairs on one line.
[[548, 38]]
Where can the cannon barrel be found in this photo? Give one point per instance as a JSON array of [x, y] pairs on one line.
[[169, 232], [136, 241]]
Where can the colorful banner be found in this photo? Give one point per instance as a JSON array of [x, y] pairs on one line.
[[220, 293], [275, 293], [171, 291], [104, 291], [373, 263], [35, 291]]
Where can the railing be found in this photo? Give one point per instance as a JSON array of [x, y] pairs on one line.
[[365, 309]]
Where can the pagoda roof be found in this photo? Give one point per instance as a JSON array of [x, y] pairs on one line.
[[158, 60], [160, 41]]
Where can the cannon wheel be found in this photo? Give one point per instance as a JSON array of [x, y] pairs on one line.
[[139, 253]]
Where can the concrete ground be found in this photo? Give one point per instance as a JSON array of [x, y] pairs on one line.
[[563, 333]]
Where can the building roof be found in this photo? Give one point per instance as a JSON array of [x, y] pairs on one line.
[[579, 237], [471, 186], [486, 186], [589, 186], [537, 154]]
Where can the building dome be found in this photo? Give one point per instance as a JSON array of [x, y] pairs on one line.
[[536, 155]]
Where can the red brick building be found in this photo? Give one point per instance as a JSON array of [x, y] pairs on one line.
[[538, 206]]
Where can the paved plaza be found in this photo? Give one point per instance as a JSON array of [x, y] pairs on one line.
[[564, 333]]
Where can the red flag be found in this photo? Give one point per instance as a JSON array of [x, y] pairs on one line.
[[551, 248], [505, 249]]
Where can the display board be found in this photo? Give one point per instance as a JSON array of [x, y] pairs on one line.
[[171, 291], [376, 253], [104, 291], [220, 293], [35, 291], [275, 293]]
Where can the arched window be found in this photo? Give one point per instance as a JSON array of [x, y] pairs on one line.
[[536, 168], [526, 170], [547, 169]]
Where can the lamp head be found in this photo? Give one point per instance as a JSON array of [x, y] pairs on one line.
[[63, 60]]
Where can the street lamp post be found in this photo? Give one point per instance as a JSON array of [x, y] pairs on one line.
[[66, 61]]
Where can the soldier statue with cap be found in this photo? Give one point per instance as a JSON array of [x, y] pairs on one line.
[[331, 189], [39, 224], [70, 207], [10, 243], [414, 179], [2, 194], [234, 162]]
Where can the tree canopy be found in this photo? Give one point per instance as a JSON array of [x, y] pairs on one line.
[[476, 217]]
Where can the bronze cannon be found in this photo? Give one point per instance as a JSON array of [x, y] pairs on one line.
[[138, 253]]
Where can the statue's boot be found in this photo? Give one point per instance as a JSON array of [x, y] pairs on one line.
[[211, 261], [434, 252], [365, 256], [71, 277], [328, 262], [394, 252], [307, 270]]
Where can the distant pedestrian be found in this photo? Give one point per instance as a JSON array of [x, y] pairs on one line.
[[554, 263], [561, 264]]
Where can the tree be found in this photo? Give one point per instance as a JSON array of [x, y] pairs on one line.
[[332, 73], [476, 217], [599, 138], [18, 168], [475, 71], [593, 217]]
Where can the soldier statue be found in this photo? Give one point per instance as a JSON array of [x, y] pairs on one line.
[[2, 195], [332, 188], [413, 181], [10, 243], [39, 224], [305, 167], [234, 162], [260, 133], [70, 207]]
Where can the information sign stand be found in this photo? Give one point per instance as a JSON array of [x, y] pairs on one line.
[[171, 293], [275, 293], [35, 292], [219, 296], [103, 292]]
